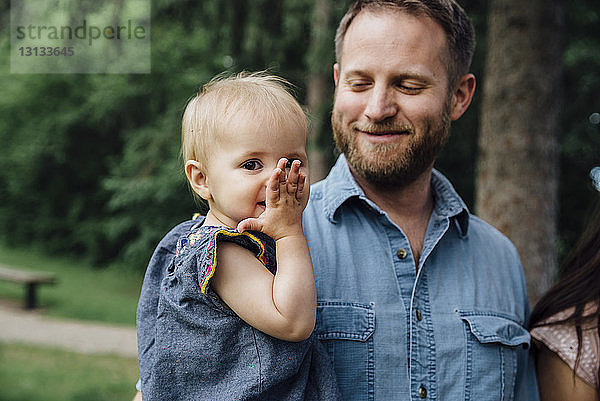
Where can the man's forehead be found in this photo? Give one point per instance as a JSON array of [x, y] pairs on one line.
[[388, 33], [380, 20]]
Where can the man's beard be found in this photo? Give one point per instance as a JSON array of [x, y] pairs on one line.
[[392, 164]]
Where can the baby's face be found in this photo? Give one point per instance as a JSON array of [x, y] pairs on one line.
[[242, 162]]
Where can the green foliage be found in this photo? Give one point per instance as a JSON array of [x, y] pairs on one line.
[[51, 162], [44, 374], [90, 164]]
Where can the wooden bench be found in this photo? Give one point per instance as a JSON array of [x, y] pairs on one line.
[[31, 279]]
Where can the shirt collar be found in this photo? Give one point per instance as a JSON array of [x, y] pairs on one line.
[[448, 204], [340, 186]]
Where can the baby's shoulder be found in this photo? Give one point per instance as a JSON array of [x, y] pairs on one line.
[[197, 237], [197, 249], [202, 242]]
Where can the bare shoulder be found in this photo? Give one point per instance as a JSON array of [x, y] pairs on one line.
[[556, 381], [230, 255], [236, 267]]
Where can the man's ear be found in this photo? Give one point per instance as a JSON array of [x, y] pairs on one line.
[[197, 179], [336, 73], [462, 96]]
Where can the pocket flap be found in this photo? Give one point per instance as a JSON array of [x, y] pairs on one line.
[[338, 320], [489, 328]]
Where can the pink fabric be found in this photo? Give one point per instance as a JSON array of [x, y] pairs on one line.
[[562, 340]]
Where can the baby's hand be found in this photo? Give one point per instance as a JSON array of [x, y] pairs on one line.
[[287, 195]]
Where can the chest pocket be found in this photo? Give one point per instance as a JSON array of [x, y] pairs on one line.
[[346, 329], [493, 344]]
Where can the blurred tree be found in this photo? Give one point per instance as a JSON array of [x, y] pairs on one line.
[[319, 86], [517, 177]]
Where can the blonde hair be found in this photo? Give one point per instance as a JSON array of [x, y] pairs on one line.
[[246, 95]]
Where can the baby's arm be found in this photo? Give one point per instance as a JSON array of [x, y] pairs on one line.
[[284, 305]]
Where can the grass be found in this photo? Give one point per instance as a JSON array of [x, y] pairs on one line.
[[82, 292], [36, 373], [29, 373]]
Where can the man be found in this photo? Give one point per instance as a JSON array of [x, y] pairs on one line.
[[417, 298]]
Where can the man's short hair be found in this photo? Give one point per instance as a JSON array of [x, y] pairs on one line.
[[455, 22]]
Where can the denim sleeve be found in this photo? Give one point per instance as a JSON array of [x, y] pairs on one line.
[[526, 387]]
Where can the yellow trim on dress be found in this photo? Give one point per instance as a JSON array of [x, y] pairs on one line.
[[211, 269]]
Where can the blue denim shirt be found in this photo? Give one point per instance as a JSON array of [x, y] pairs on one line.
[[453, 329]]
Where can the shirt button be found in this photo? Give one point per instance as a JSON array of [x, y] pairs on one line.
[[422, 392], [419, 315], [401, 253]]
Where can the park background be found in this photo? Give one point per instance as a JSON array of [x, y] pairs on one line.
[[90, 171]]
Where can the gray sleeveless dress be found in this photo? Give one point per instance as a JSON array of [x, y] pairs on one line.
[[193, 347]]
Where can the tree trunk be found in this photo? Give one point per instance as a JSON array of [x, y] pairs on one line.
[[517, 172], [319, 87]]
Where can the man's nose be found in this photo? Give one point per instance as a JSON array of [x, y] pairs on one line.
[[381, 104]]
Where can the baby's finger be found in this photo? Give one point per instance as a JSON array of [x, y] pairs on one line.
[[282, 165], [301, 182], [273, 186], [292, 178]]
